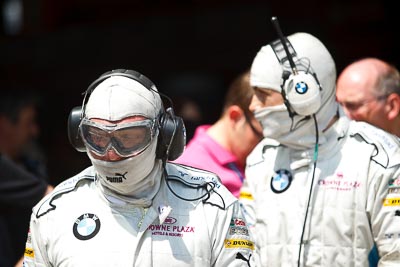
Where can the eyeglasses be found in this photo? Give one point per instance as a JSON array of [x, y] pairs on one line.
[[253, 128], [353, 106], [127, 139]]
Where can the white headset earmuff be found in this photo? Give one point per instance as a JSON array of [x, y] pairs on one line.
[[300, 86], [303, 93]]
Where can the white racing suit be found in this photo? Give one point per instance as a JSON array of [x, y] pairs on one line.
[[354, 214], [77, 226]]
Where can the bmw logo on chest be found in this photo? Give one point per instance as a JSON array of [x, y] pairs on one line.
[[301, 88], [86, 226], [281, 181]]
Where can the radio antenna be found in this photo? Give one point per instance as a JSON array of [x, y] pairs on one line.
[[275, 22]]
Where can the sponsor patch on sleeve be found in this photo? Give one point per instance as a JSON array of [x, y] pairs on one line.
[[394, 182], [29, 253], [394, 186], [238, 227], [246, 195], [391, 202], [29, 238], [239, 243]]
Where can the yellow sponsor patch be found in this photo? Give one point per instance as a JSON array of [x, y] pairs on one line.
[[239, 243], [29, 253], [246, 195], [391, 202]]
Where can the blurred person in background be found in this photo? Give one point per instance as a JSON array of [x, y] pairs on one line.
[[223, 146], [369, 90], [19, 131], [23, 174]]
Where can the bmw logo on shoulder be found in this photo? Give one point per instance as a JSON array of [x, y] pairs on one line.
[[281, 181], [86, 226], [301, 87]]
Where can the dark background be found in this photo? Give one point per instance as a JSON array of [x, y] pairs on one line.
[[187, 48]]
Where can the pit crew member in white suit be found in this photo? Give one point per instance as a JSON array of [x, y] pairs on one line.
[[132, 207], [320, 190]]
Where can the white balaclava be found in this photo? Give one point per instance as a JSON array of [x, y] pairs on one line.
[[135, 179], [266, 72]]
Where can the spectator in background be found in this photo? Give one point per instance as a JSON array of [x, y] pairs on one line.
[[22, 175], [223, 146], [19, 131], [369, 90], [19, 192]]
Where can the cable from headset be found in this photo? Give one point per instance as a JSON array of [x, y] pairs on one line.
[[311, 187], [207, 186], [176, 178]]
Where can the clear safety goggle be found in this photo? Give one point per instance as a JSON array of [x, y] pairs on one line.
[[127, 139]]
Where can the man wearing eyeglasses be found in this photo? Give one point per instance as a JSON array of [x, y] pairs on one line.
[[369, 90], [133, 207], [224, 146]]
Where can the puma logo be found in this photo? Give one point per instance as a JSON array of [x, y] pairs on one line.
[[117, 178], [241, 257]]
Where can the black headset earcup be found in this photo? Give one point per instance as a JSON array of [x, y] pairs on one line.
[[171, 138], [179, 140], [74, 120]]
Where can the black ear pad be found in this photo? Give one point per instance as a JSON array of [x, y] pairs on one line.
[[74, 120], [172, 136]]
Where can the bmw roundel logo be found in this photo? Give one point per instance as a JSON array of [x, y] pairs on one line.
[[281, 181], [86, 226], [301, 87]]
